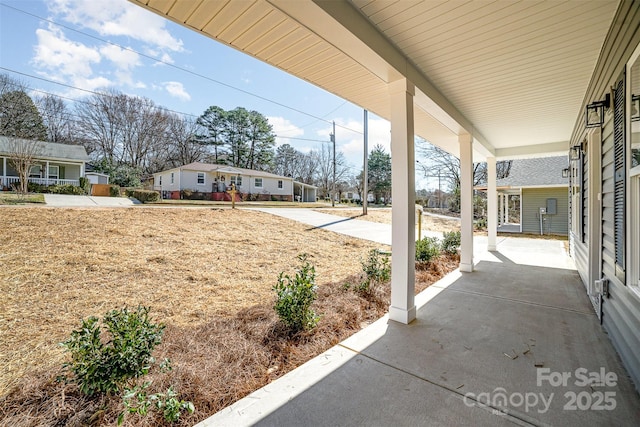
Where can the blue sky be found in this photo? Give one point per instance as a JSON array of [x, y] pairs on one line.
[[175, 67]]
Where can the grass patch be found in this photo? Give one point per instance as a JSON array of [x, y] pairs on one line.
[[10, 198]]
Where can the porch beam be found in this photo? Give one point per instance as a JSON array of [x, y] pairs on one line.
[[403, 231], [492, 204], [466, 202]]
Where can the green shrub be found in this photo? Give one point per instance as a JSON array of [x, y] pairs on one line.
[[107, 354], [294, 297], [376, 271], [450, 242], [137, 401], [144, 196], [65, 189], [427, 249], [85, 184], [114, 191]]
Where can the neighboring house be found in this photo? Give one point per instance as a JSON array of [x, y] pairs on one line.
[[56, 164], [214, 182], [542, 191]]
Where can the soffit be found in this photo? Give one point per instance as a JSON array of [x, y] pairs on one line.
[[512, 73]]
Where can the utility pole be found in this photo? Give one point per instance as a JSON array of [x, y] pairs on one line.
[[333, 139], [365, 173]]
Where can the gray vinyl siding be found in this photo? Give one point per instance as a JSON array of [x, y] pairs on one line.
[[535, 198], [621, 311]]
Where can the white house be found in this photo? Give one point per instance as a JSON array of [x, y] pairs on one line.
[[56, 164], [214, 182]]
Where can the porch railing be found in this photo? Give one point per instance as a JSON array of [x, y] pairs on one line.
[[9, 181]]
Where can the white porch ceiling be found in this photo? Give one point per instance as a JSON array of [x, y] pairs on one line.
[[511, 73]]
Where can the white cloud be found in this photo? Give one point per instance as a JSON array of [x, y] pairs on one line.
[[176, 89], [55, 53], [117, 18], [285, 130], [122, 58]]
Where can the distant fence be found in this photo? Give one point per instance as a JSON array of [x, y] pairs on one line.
[[100, 190]]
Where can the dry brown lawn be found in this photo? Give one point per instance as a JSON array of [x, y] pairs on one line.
[[61, 265], [206, 273], [383, 215]]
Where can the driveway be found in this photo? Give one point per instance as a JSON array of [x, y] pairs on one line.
[[65, 200]]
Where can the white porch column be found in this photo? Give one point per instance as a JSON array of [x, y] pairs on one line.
[[4, 173], [466, 202], [505, 205], [46, 173], [492, 204], [500, 208], [403, 233]]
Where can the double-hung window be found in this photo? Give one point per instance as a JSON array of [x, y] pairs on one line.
[[633, 162], [200, 178], [258, 183]]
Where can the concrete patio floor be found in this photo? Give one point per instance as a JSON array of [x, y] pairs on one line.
[[515, 342]]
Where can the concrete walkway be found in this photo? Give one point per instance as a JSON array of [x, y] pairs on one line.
[[514, 343], [65, 200], [361, 229]]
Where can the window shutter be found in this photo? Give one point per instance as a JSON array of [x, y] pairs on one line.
[[619, 163]]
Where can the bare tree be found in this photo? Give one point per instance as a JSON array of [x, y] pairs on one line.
[[440, 163], [182, 143], [324, 173], [57, 119], [23, 154]]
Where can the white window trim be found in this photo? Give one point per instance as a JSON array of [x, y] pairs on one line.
[[57, 174], [160, 180], [255, 183], [171, 177], [280, 184], [237, 180], [633, 231], [633, 194], [204, 178]]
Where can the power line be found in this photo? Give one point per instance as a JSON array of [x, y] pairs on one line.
[[176, 67]]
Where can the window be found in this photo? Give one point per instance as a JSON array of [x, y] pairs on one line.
[[237, 180], [279, 183], [172, 177], [200, 178], [35, 172], [160, 180], [258, 183], [54, 172]]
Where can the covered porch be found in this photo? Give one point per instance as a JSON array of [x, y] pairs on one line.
[[493, 347], [43, 173]]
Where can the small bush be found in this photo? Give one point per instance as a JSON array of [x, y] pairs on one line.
[[295, 296], [114, 191], [137, 401], [427, 249], [376, 271], [144, 196], [85, 184], [450, 242], [65, 189], [106, 354]]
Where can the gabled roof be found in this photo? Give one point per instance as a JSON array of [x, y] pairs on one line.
[[539, 172], [50, 150], [209, 167]]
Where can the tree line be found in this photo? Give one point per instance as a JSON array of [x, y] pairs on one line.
[[130, 137]]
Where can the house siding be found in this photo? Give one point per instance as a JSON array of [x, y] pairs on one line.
[[535, 198], [621, 310]]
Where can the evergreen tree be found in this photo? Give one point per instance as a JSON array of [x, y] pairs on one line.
[[379, 164], [20, 118]]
